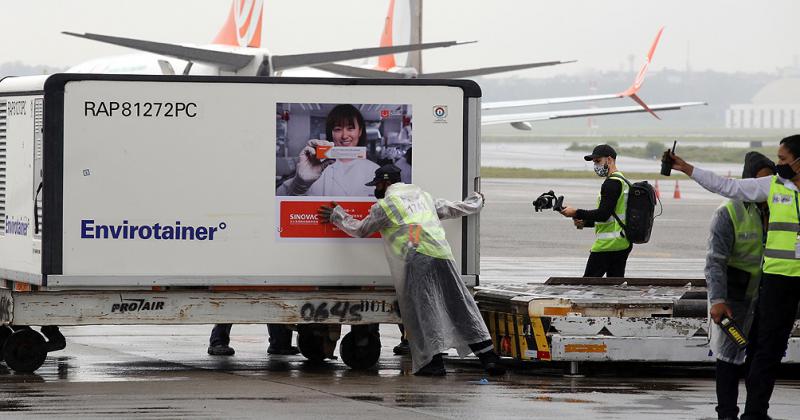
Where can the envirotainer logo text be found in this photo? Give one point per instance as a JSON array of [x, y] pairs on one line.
[[156, 231]]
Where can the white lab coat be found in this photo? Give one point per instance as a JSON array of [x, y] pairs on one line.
[[340, 179]]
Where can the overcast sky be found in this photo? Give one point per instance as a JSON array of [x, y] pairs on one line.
[[724, 35]]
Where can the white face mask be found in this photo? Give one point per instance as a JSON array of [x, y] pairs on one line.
[[601, 169]]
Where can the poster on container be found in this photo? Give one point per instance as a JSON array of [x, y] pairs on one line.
[[329, 153]]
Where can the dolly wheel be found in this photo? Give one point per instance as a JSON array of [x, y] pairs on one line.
[[360, 350], [5, 332], [25, 351], [315, 343]]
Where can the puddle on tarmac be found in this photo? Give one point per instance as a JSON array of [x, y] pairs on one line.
[[12, 405], [548, 398], [367, 398]]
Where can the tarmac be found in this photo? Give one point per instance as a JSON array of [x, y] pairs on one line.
[[164, 371], [549, 155]]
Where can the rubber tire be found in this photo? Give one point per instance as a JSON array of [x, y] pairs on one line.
[[5, 332], [25, 351], [360, 351], [311, 342]]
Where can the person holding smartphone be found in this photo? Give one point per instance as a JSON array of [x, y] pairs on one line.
[[779, 289], [733, 270]]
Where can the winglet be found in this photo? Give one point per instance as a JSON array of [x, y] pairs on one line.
[[637, 83], [243, 26], [639, 101]]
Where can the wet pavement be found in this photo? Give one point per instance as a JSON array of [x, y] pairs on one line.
[[163, 372]]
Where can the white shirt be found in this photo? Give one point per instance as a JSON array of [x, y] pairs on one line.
[[753, 190], [345, 179]]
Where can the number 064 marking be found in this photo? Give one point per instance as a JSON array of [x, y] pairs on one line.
[[343, 311]]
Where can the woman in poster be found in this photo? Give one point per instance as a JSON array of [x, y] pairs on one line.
[[344, 125]]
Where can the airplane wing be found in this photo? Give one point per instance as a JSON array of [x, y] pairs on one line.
[[351, 71], [283, 62], [235, 61], [522, 120], [630, 92], [226, 60], [458, 74]]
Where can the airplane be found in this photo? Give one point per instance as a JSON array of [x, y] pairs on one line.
[[522, 121], [236, 50], [410, 30]]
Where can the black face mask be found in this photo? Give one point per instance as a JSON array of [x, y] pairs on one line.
[[785, 170], [380, 192]]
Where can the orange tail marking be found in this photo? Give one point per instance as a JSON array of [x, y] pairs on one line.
[[637, 83], [243, 26], [386, 62]]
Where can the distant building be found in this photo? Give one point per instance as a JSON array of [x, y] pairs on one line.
[[775, 106]]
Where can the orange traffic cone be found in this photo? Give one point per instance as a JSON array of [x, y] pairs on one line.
[[677, 194], [658, 191]]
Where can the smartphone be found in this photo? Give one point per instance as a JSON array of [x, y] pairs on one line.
[[666, 160]]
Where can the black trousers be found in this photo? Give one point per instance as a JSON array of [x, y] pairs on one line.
[[728, 376], [610, 264], [777, 308], [280, 335]]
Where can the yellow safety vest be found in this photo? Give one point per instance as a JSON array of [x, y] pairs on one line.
[[748, 246], [780, 253], [414, 223], [609, 234]]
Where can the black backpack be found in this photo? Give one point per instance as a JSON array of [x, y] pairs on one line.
[[640, 211]]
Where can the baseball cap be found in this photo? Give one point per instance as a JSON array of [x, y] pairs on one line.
[[387, 172], [602, 150]]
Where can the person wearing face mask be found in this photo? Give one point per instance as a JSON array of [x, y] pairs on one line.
[[438, 310], [733, 269], [779, 288], [610, 250]]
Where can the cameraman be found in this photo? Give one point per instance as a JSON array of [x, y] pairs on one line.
[[610, 250]]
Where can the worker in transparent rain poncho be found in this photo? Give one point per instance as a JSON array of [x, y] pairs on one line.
[[438, 310]]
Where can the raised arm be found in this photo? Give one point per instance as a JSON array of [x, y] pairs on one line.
[[751, 189], [453, 209]]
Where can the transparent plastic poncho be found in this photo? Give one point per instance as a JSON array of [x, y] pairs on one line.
[[438, 311]]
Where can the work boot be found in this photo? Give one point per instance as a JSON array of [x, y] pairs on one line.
[[434, 368], [491, 363], [284, 351], [221, 350], [402, 349], [55, 340]]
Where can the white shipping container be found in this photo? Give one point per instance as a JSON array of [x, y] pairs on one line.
[[172, 181]]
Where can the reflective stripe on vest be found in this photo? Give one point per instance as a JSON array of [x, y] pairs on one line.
[[608, 234], [748, 246], [414, 224], [779, 254]]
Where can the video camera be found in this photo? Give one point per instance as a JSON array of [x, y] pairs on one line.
[[549, 200]]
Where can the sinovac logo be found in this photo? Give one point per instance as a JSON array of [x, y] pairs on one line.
[[303, 219], [17, 225], [160, 232]]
